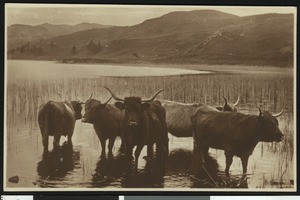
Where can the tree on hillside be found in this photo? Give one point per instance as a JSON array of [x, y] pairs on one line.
[[24, 48], [93, 47], [40, 51], [135, 55], [28, 49], [73, 50]]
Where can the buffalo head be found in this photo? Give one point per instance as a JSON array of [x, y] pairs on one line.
[[134, 108], [93, 110], [268, 126], [77, 109]]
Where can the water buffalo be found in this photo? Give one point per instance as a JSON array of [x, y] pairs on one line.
[[106, 120], [57, 119], [142, 124], [179, 115], [235, 133]]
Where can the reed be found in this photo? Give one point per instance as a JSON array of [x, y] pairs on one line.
[[270, 91]]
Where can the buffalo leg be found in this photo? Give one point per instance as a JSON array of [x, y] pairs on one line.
[[70, 139], [103, 144], [122, 148], [166, 146], [160, 150], [110, 146], [56, 141], [45, 142], [128, 150], [197, 159], [204, 150], [70, 136], [137, 155], [149, 151], [229, 157], [245, 164]]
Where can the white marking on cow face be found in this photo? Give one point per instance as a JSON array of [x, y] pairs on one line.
[[82, 110]]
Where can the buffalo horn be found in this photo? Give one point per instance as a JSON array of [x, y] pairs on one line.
[[225, 103], [259, 112], [153, 97], [90, 96], [107, 101], [237, 101], [80, 101], [113, 95], [278, 114]]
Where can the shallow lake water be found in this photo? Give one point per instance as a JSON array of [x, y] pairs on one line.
[[80, 165], [55, 70]]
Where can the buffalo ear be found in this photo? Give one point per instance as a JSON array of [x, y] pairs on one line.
[[145, 106], [119, 105]]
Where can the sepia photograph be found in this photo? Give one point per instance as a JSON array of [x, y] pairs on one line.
[[150, 98]]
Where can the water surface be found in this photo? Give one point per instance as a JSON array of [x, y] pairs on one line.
[[51, 69]]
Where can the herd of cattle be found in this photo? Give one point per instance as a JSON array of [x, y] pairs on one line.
[[141, 122]]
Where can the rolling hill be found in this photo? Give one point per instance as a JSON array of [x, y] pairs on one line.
[[200, 36], [19, 34]]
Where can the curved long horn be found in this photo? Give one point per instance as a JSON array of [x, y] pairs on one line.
[[90, 97], [259, 112], [237, 101], [225, 103], [107, 101], [80, 101], [278, 114], [113, 95], [153, 97]]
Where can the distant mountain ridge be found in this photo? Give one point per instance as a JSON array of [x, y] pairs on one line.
[[19, 34], [200, 36], [56, 30]]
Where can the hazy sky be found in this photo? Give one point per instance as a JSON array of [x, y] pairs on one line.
[[112, 14]]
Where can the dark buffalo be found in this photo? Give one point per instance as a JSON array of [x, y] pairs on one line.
[[106, 120], [231, 107], [161, 113], [235, 133], [57, 119], [143, 124], [179, 115]]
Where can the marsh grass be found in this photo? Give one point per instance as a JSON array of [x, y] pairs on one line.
[[270, 91]]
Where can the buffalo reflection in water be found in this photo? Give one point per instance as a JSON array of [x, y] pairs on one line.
[[111, 171], [208, 176], [119, 171], [57, 163]]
